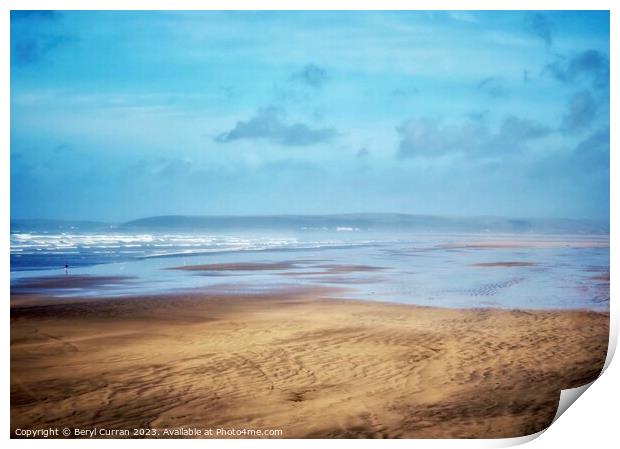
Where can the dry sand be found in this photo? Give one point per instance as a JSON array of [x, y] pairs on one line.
[[296, 361]]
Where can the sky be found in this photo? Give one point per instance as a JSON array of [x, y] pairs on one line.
[[121, 115]]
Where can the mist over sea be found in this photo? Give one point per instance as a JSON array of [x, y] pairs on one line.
[[448, 262]]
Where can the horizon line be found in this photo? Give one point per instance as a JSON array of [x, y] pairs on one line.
[[479, 216]]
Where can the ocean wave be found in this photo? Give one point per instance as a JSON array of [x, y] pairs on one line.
[[43, 249]]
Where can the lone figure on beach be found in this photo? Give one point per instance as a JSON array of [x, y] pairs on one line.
[[66, 269]]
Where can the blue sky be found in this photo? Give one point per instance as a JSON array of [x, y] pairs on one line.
[[119, 115]]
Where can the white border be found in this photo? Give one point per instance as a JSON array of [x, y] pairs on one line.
[[367, 5], [591, 422]]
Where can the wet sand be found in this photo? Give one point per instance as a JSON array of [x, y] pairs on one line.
[[508, 243], [63, 282], [297, 361], [503, 264], [275, 266], [239, 266]]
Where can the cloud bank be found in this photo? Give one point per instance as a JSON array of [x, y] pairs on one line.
[[311, 75], [269, 124], [429, 138], [590, 65], [538, 25]]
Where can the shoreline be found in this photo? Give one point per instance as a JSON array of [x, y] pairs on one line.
[[300, 360], [26, 300]]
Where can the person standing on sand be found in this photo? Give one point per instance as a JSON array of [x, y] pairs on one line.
[[66, 269]]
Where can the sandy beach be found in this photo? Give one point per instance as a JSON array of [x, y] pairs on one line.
[[309, 224], [295, 360]]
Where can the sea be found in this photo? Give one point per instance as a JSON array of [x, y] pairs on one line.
[[482, 266]]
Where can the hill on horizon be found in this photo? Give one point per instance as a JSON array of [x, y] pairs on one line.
[[356, 221]]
